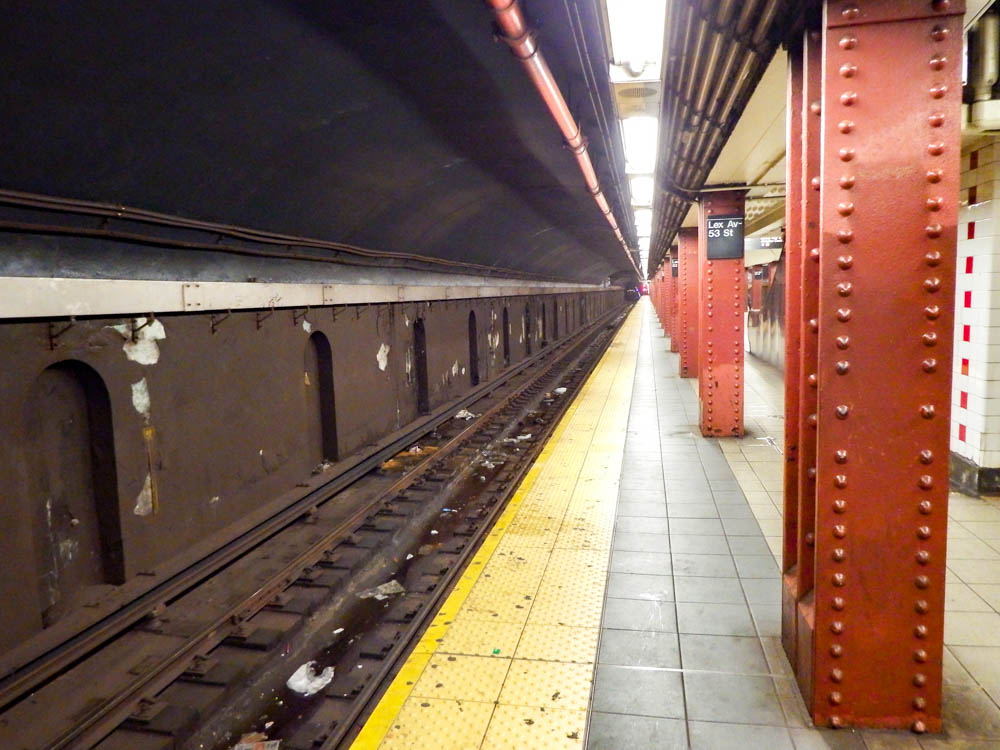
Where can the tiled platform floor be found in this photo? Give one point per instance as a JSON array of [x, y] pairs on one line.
[[690, 654]]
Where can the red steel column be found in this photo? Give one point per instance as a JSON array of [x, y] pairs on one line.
[[668, 282], [793, 321], [889, 187], [687, 300], [722, 301], [673, 291]]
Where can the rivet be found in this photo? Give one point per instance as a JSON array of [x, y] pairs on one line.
[[840, 481], [835, 698], [846, 208], [848, 42], [836, 650], [920, 656], [842, 411], [837, 627], [919, 703], [837, 603], [815, 183], [811, 419], [838, 555], [850, 12], [847, 153], [840, 457], [814, 254], [840, 506], [925, 507], [844, 289], [929, 365], [941, 5], [935, 175], [845, 261], [838, 580], [927, 411], [936, 148], [932, 312], [918, 727], [811, 472], [815, 107], [810, 539], [836, 722], [926, 456], [933, 231], [843, 342], [845, 126], [840, 531], [843, 366], [812, 380], [935, 203], [930, 338], [925, 482], [922, 582], [924, 532], [846, 182], [848, 70], [836, 674], [923, 557], [932, 284], [938, 91], [813, 325], [939, 33], [843, 314], [919, 679], [933, 258], [935, 119]]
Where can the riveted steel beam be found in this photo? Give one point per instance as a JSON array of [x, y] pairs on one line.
[[687, 300]]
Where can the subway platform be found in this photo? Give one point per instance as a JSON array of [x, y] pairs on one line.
[[629, 596]]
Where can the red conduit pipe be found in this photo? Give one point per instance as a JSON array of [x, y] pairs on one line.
[[521, 40]]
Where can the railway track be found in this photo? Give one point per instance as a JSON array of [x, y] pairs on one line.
[[202, 660]]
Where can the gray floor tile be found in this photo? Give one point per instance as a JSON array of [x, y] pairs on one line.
[[699, 545], [639, 648], [714, 619], [640, 586], [645, 510], [718, 736], [707, 566], [652, 563], [732, 510], [708, 590], [730, 497], [969, 713], [741, 527], [636, 542], [809, 738], [756, 566], [762, 590], [640, 614], [740, 699], [638, 691], [642, 525], [618, 731], [692, 510], [749, 545], [647, 495], [723, 653], [700, 526], [767, 618]]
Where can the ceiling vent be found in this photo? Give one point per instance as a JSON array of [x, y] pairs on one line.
[[636, 99]]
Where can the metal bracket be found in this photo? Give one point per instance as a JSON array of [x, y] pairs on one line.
[[296, 317], [216, 319], [135, 329], [259, 317], [55, 333]]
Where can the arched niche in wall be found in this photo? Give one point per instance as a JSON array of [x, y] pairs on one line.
[[473, 349], [506, 338], [77, 531], [321, 405], [527, 329], [420, 363]]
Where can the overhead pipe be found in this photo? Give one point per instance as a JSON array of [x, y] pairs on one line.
[[519, 37]]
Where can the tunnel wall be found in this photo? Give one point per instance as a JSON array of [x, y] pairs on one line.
[[214, 418]]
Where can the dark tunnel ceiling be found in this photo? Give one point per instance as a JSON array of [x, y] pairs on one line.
[[391, 125]]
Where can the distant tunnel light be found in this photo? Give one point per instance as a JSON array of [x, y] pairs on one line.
[[640, 143], [636, 32], [643, 221], [644, 244], [642, 190]]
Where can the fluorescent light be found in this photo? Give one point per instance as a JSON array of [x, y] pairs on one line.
[[644, 244], [639, 134], [636, 32], [643, 221], [642, 190]]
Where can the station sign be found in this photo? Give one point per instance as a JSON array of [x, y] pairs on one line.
[[725, 237], [674, 266]]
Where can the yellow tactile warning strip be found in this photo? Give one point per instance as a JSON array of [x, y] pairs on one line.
[[509, 659]]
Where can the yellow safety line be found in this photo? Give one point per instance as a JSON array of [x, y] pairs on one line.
[[380, 720]]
